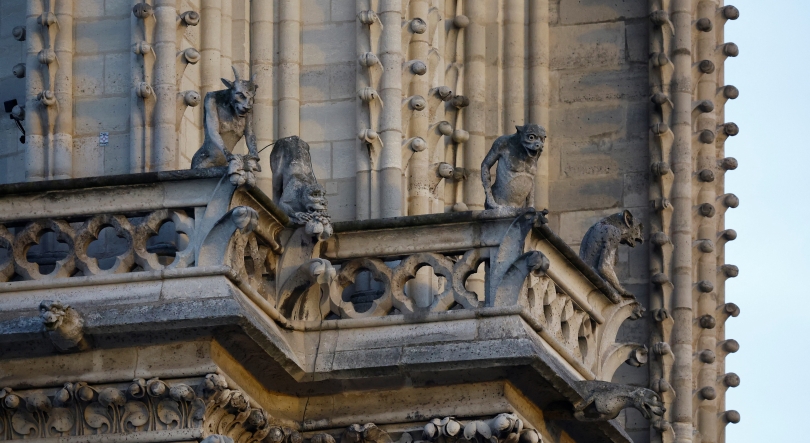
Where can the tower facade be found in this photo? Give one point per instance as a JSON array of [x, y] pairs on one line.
[[413, 309]]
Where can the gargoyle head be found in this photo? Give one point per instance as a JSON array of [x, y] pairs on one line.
[[632, 232], [52, 314], [648, 403], [314, 198], [242, 93], [532, 138]]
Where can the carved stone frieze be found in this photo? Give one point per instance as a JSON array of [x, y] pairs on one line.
[[79, 409]]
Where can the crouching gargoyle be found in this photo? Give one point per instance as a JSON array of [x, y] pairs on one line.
[[63, 325], [296, 190], [604, 401], [228, 116], [599, 248], [517, 156]]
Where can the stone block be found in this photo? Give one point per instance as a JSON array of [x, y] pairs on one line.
[[343, 11], [592, 11], [576, 195], [88, 75], [119, 8], [330, 43], [341, 196], [13, 14], [342, 81], [344, 159], [101, 115], [587, 46], [328, 121], [102, 36], [88, 9], [638, 43], [88, 157], [314, 12], [604, 120], [406, 335], [116, 155], [321, 154], [314, 84], [117, 74], [598, 86], [636, 190], [175, 360]]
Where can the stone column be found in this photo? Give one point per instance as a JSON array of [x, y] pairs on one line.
[[165, 155], [211, 33], [391, 120], [35, 153], [682, 221], [262, 63], [475, 113], [289, 39], [63, 89], [418, 49], [539, 91]]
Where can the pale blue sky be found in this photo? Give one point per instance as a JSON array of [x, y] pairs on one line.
[[773, 220]]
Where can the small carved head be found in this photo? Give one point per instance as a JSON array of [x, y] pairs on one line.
[[52, 313], [242, 93], [632, 232], [315, 198], [532, 137], [648, 403]]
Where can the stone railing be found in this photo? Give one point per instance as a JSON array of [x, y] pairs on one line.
[[368, 271]]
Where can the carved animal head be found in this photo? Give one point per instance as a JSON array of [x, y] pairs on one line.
[[52, 314], [648, 403], [632, 232], [532, 137], [314, 198], [242, 93]]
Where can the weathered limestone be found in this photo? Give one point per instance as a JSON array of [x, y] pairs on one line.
[[398, 101]]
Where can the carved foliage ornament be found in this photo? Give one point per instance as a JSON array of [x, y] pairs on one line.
[[146, 405]]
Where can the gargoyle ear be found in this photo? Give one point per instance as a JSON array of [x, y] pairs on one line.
[[520, 128], [228, 83], [628, 218]]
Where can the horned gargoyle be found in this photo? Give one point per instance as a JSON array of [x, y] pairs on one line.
[[604, 401], [296, 190], [599, 248], [517, 156], [228, 116], [63, 325]]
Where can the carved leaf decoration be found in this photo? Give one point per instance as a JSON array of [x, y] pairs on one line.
[[481, 428], [61, 420], [24, 423], [96, 417], [197, 409], [135, 414], [168, 411]]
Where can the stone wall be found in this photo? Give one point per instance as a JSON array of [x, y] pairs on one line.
[[12, 52]]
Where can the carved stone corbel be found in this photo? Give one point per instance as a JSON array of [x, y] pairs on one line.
[[64, 326], [511, 266]]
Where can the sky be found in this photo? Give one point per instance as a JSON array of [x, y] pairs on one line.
[[773, 220]]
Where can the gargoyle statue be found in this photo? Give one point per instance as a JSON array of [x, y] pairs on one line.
[[296, 190], [601, 243], [63, 325], [517, 156], [604, 401], [228, 116]]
